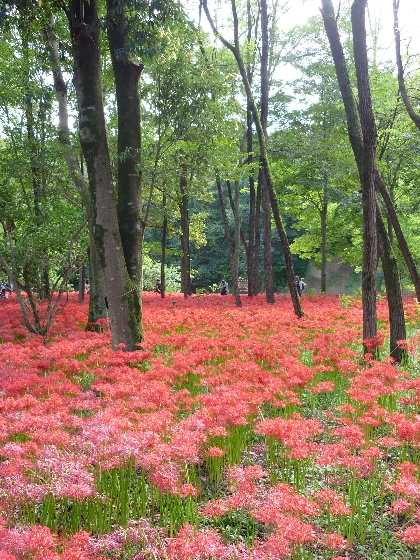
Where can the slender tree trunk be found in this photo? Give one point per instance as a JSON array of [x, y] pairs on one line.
[[402, 243], [233, 270], [253, 252], [268, 261], [241, 233], [253, 227], [362, 135], [393, 290], [268, 264], [185, 237], [122, 295], [81, 297], [235, 285], [323, 218], [163, 245], [263, 158], [366, 166]]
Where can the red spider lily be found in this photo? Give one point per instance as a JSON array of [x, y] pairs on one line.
[[331, 501], [334, 541], [401, 506], [191, 544], [411, 535], [323, 387], [75, 407], [291, 432]]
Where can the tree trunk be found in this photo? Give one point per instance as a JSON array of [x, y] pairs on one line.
[[185, 237], [323, 218], [235, 278], [233, 270], [362, 135], [127, 74], [268, 261], [402, 243], [235, 49], [268, 264], [163, 246], [81, 296], [366, 167], [97, 307], [393, 290], [253, 252], [122, 295], [254, 210]]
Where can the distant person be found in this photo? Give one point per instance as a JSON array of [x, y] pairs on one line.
[[223, 288], [158, 286], [300, 286], [87, 286], [4, 293]]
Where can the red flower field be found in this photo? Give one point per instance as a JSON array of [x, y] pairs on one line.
[[234, 433]]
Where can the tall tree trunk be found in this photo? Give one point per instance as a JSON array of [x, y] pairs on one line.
[[393, 290], [253, 249], [185, 237], [366, 167], [235, 49], [268, 260], [362, 135], [163, 248], [268, 263], [323, 219], [122, 294], [254, 210], [97, 307], [81, 296], [127, 74], [233, 270], [235, 278]]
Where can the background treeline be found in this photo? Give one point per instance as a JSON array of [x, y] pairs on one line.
[[191, 205]]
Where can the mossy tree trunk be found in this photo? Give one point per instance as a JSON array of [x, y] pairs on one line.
[[121, 292], [97, 307]]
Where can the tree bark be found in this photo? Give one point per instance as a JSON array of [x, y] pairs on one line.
[[268, 263], [362, 135], [185, 237], [393, 290], [323, 219], [233, 270], [97, 307], [402, 243], [235, 278], [127, 74], [122, 295], [263, 157], [163, 246], [254, 207], [366, 166]]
